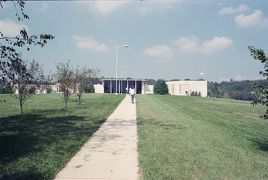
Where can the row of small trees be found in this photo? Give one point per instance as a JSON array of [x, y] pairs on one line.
[[17, 74], [70, 81], [73, 80]]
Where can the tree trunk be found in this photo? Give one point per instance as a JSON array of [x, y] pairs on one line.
[[65, 100], [79, 100], [21, 107], [65, 97], [20, 99]]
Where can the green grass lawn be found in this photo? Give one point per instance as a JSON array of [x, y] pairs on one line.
[[39, 143], [201, 138]]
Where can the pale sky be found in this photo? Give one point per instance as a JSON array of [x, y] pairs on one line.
[[169, 39]]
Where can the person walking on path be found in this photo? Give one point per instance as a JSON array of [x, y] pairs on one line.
[[132, 94]]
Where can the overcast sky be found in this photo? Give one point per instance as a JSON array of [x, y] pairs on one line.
[[167, 38]]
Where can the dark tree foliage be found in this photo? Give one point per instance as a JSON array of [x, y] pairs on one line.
[[149, 81], [260, 92], [240, 90], [48, 89], [213, 89], [94, 80], [175, 79], [6, 89], [89, 88], [19, 8], [160, 87]]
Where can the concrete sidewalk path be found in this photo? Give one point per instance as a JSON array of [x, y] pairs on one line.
[[111, 153]]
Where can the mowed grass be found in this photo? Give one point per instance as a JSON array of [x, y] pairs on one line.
[[201, 138], [40, 143]]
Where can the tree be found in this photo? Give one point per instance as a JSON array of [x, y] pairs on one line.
[[66, 78], [234, 89], [260, 92], [90, 88], [94, 79], [149, 81], [11, 62], [13, 69], [23, 82], [81, 80], [48, 89], [19, 5], [160, 87], [213, 89]]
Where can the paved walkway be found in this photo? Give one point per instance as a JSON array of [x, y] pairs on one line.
[[111, 153]]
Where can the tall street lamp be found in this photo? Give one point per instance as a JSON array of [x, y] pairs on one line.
[[202, 75], [116, 59]]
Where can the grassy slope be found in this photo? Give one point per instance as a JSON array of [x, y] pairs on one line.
[[39, 143], [201, 138]]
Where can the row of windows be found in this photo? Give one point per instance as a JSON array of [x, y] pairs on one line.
[[122, 86]]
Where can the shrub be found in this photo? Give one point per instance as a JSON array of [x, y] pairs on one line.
[[89, 88], [160, 87], [48, 89], [195, 93], [6, 89]]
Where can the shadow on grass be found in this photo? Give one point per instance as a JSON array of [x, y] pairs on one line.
[[161, 125], [26, 175], [49, 111], [31, 135], [148, 122], [261, 145], [24, 134]]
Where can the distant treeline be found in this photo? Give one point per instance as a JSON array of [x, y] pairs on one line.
[[240, 90]]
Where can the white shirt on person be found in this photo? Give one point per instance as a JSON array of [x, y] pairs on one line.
[[131, 91]]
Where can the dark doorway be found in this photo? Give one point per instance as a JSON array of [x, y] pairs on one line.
[[138, 87]]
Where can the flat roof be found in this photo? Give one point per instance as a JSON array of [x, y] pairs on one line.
[[188, 81], [125, 79]]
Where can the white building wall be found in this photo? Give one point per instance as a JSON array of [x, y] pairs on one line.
[[142, 87], [184, 88], [98, 88], [148, 89], [56, 88]]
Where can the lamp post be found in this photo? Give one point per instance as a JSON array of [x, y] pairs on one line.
[[202, 75], [116, 62]]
